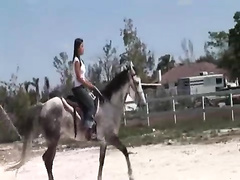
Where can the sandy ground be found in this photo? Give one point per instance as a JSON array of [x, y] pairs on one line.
[[175, 162]]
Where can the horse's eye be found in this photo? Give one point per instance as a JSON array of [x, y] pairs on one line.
[[137, 82]]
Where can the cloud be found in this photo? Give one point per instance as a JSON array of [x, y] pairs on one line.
[[184, 2]]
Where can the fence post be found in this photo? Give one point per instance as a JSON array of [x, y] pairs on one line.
[[148, 119], [231, 103], [203, 107], [124, 116], [174, 110]]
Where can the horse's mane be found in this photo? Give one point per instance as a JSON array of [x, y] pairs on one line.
[[117, 82]]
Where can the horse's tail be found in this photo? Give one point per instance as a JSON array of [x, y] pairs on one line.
[[31, 123], [71, 110]]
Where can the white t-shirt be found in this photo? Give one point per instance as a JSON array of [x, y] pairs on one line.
[[82, 71]]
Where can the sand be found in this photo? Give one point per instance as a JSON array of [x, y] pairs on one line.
[[174, 162]]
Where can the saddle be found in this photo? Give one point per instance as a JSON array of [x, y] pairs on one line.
[[78, 107]]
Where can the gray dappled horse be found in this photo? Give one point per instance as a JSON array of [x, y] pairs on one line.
[[56, 118]]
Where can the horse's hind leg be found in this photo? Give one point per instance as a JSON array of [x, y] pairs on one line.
[[49, 156], [103, 148], [51, 129], [115, 141]]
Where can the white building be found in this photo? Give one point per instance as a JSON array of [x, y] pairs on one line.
[[131, 106], [204, 83]]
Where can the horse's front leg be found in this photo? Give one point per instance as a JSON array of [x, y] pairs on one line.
[[103, 148], [115, 141]]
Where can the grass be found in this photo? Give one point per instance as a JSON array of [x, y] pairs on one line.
[[185, 131], [190, 131]]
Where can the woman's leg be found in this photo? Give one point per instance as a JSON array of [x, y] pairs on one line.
[[85, 99]]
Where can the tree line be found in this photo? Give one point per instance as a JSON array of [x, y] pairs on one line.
[[222, 49]]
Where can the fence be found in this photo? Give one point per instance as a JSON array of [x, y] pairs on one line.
[[225, 95]]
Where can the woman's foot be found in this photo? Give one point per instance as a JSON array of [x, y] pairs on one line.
[[91, 135], [91, 131]]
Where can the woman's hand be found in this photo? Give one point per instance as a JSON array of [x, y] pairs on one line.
[[98, 93], [89, 85]]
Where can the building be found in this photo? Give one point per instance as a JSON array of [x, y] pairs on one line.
[[170, 79], [204, 83], [130, 105]]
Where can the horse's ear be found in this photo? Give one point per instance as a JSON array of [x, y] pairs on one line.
[[131, 67], [125, 65], [121, 68]]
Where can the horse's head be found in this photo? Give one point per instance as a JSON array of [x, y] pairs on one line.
[[125, 82], [135, 89]]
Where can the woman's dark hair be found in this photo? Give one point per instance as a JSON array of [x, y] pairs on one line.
[[77, 43]]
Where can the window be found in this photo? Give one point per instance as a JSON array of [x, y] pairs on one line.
[[218, 80], [166, 86]]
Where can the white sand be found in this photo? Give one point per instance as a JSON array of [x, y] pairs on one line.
[[190, 162]]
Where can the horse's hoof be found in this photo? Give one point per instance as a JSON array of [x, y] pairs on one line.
[[131, 178]]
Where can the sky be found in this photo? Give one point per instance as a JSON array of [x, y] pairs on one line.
[[32, 32]]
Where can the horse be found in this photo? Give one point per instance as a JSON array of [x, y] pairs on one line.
[[56, 117]]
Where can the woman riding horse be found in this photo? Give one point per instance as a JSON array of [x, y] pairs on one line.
[[81, 86]]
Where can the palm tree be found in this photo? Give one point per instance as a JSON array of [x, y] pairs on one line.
[[35, 83]]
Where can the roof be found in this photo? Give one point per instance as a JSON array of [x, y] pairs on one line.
[[192, 69], [202, 76]]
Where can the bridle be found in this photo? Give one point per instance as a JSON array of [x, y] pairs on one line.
[[133, 84]]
